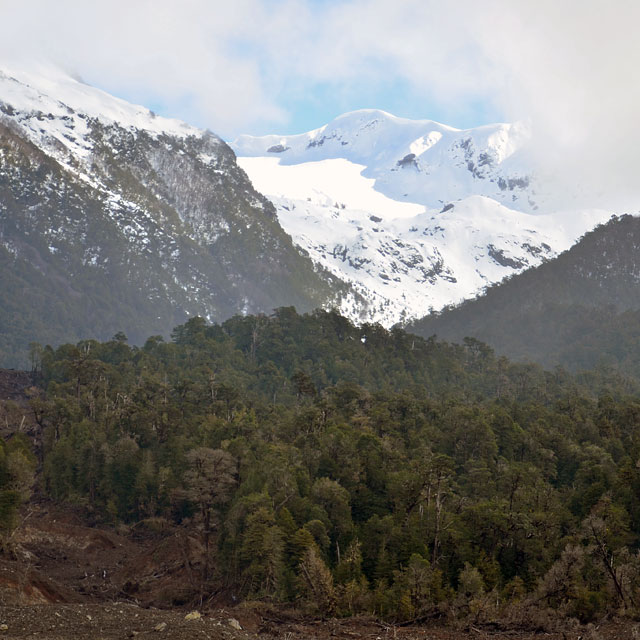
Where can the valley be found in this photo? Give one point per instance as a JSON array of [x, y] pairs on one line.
[[376, 380]]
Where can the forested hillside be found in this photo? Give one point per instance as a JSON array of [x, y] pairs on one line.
[[579, 310], [353, 470]]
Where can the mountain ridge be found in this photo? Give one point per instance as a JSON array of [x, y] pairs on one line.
[[103, 204], [415, 215], [579, 310], [109, 227], [478, 156]]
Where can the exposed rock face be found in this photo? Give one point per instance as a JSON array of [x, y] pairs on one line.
[[114, 219]]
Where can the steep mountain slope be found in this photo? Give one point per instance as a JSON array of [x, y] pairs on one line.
[[579, 309], [414, 214], [114, 219]]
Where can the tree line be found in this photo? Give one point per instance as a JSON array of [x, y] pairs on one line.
[[353, 469]]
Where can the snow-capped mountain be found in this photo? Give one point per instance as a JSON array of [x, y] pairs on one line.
[[414, 214], [112, 218]]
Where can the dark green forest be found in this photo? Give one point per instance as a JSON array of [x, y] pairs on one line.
[[579, 310], [354, 469]]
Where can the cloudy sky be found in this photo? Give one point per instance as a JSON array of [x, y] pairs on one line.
[[286, 66]]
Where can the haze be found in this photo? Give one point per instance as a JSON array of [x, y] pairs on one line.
[[258, 66]]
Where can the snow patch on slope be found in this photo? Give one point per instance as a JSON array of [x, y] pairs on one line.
[[325, 183], [407, 267]]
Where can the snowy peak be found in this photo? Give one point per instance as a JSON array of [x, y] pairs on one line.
[[359, 135], [51, 92], [59, 114], [415, 160], [96, 137]]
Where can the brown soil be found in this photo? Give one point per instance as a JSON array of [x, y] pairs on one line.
[[56, 557], [119, 620], [65, 580]]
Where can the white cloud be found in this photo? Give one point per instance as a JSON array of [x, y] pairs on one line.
[[178, 54], [570, 66]]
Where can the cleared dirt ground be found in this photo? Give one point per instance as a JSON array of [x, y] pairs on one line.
[[123, 620], [66, 580]]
